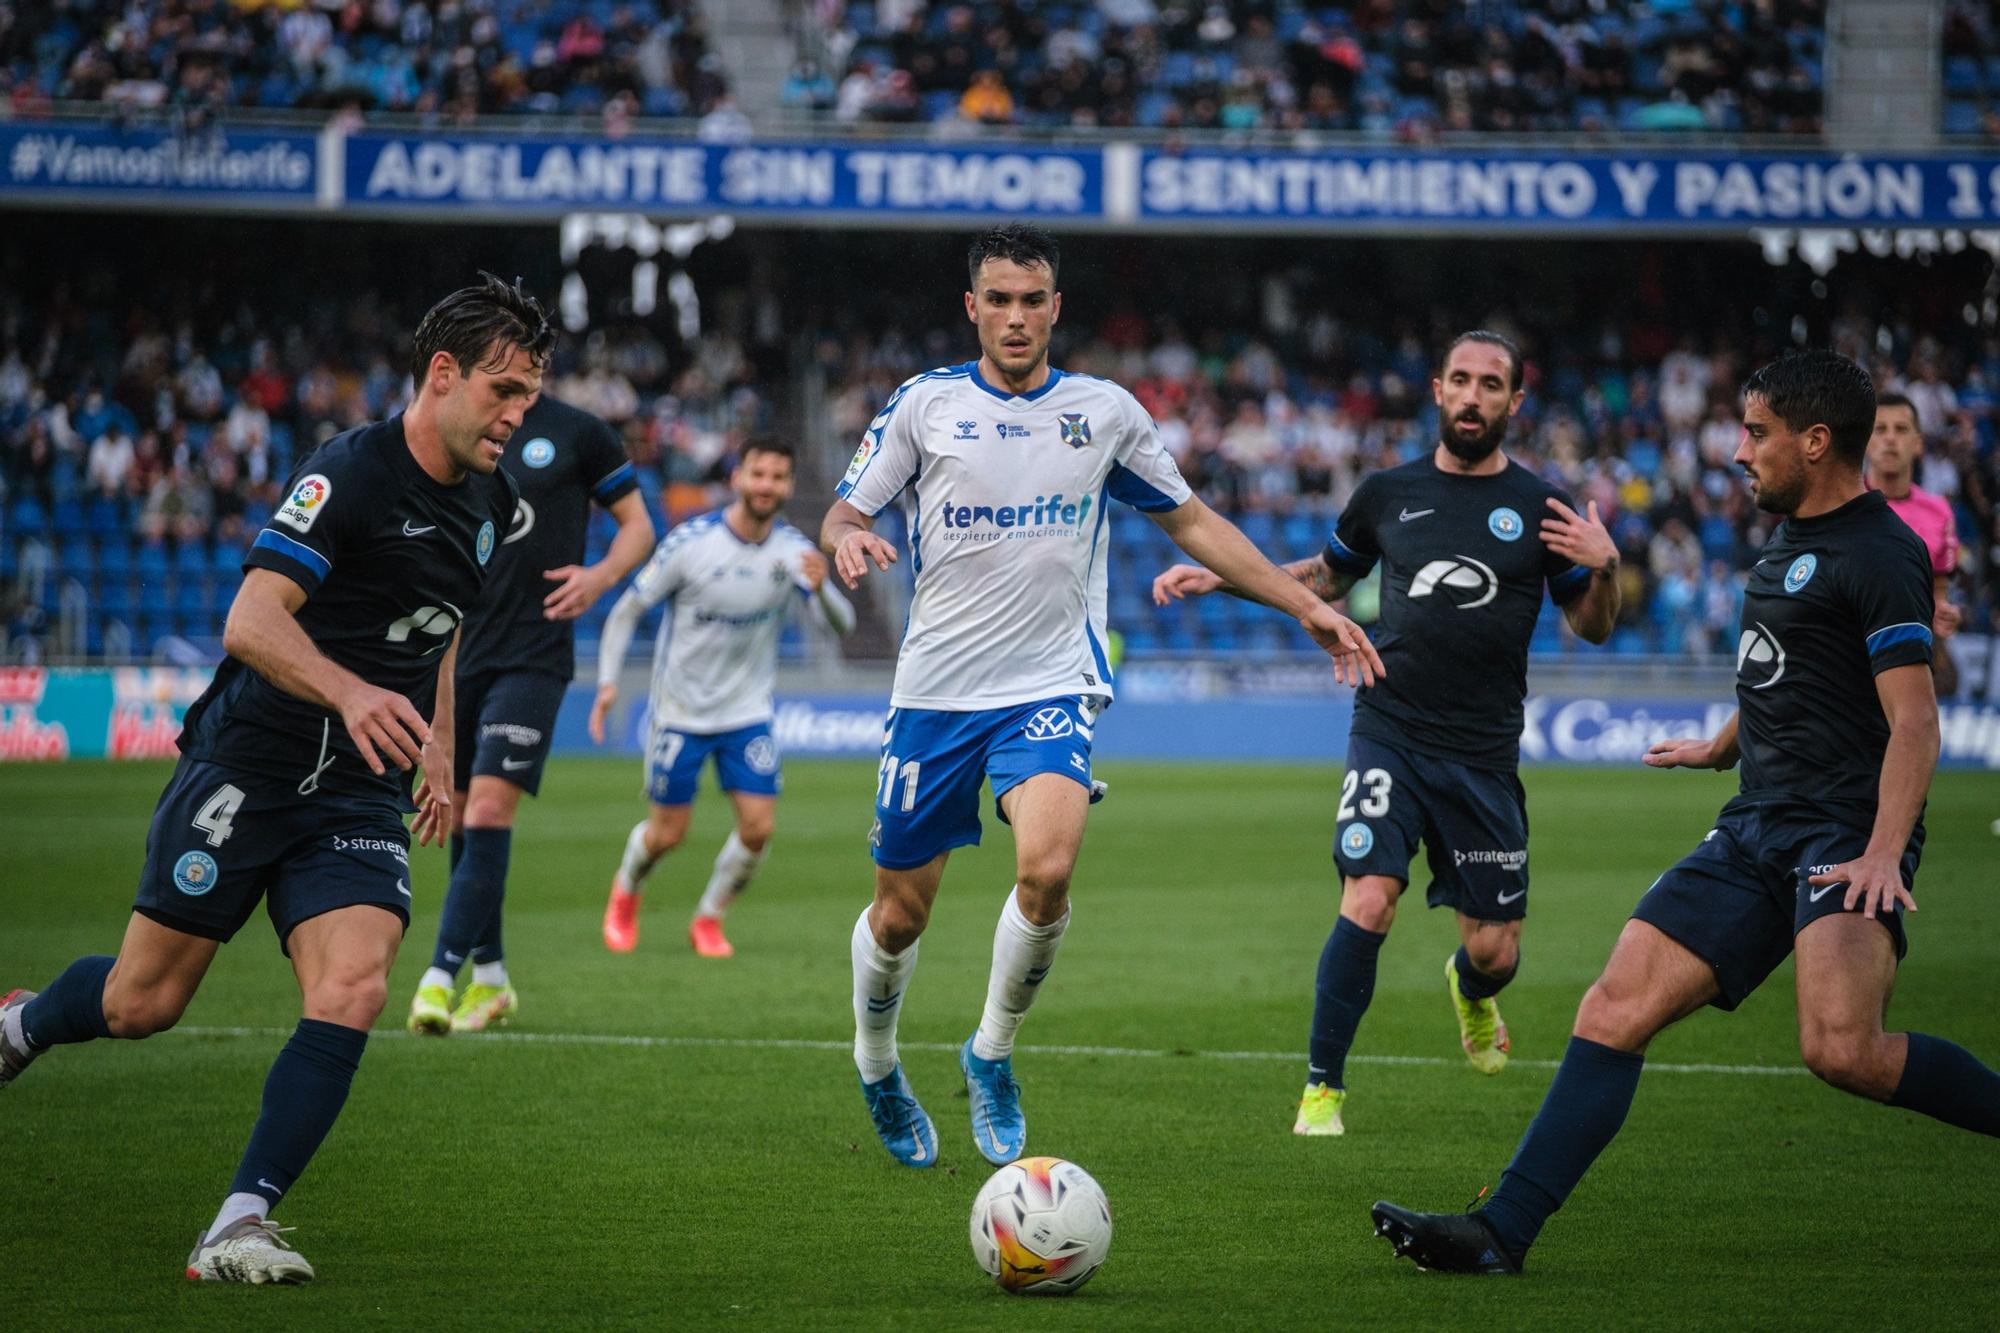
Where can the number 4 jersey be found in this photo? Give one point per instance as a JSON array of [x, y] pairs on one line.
[[390, 560]]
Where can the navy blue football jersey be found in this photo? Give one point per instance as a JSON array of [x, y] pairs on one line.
[[1834, 600], [389, 559], [561, 458], [1463, 568]]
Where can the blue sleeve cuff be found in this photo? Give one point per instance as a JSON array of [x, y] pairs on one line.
[[1567, 586], [294, 559], [1345, 558], [622, 481]]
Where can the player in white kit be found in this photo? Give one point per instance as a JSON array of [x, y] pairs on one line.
[[730, 576], [1006, 465]]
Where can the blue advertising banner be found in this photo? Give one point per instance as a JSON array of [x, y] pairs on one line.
[[523, 175], [104, 161], [1583, 191]]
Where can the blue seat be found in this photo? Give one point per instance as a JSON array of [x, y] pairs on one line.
[[150, 562], [1962, 74], [74, 557], [1961, 117], [190, 558], [105, 516], [68, 519], [28, 516]]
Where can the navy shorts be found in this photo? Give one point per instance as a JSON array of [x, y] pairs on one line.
[[1740, 897], [222, 839], [927, 785], [746, 760], [502, 722], [1472, 821]]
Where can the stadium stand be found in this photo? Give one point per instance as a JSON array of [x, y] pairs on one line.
[[448, 61], [1412, 68], [1971, 68]]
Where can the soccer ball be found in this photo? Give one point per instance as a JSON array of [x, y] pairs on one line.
[[1041, 1226]]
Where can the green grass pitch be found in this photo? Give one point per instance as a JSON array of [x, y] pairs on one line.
[[716, 1167]]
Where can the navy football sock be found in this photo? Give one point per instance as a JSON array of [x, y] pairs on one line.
[[457, 849], [1946, 1082], [302, 1097], [1474, 984], [1346, 985], [1582, 1113], [472, 904], [70, 1008]]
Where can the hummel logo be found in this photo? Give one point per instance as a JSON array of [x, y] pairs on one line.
[[516, 765], [1406, 515], [1515, 896], [409, 531]]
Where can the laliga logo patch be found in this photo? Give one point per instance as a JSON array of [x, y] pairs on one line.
[[1505, 524], [1075, 427], [195, 874], [1460, 572], [483, 548], [1357, 840], [306, 500], [1759, 648], [870, 442], [762, 754], [540, 452], [1801, 572], [1049, 724]]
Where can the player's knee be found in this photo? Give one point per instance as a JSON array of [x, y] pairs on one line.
[[353, 1002], [1497, 957], [898, 920], [1851, 1061], [663, 836], [135, 1014], [488, 812], [755, 833], [1043, 879], [1610, 1016], [1369, 903]]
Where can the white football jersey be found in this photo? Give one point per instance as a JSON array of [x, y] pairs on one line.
[[1006, 496], [716, 656]]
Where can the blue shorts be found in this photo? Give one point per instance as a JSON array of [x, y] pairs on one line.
[[746, 760], [927, 785], [1741, 896], [1472, 821], [222, 839], [502, 725]]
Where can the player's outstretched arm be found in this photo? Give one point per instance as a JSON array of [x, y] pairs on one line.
[[263, 633], [1875, 878], [1216, 543], [579, 586], [611, 648], [1718, 751], [433, 795], [1321, 579], [848, 535], [828, 606]]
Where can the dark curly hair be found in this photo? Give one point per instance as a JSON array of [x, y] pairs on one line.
[[477, 325]]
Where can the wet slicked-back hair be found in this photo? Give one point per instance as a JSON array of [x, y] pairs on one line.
[[1491, 339], [1021, 243], [477, 325], [1817, 387]]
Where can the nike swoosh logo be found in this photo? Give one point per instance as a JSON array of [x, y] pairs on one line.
[[402, 888], [409, 531], [516, 765], [269, 1186], [1506, 898], [1822, 891], [919, 1153], [994, 1139], [1406, 515]]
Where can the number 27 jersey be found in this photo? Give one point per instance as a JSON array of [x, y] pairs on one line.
[[1006, 499]]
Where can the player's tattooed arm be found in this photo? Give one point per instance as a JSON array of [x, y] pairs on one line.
[[1321, 579]]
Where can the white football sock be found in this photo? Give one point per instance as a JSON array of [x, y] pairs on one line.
[[734, 865], [437, 976], [637, 864], [489, 974], [879, 982], [1022, 953], [234, 1209]]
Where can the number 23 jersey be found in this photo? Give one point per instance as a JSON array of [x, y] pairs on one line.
[[390, 561]]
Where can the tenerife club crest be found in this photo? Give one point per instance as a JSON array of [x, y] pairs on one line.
[[1075, 429]]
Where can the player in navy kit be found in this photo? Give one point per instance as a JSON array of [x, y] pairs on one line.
[[518, 655], [1435, 744], [1837, 731], [294, 775]]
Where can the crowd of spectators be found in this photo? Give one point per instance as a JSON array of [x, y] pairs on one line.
[[1972, 68], [1414, 68], [448, 60]]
